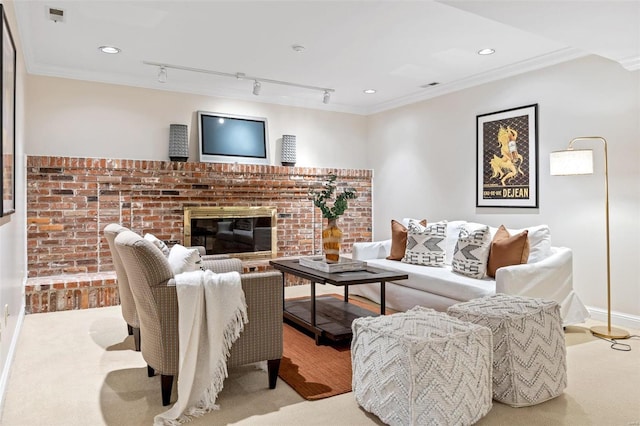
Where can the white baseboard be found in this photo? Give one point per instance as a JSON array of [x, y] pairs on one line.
[[617, 318], [4, 379]]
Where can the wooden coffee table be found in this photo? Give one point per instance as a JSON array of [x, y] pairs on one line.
[[327, 316]]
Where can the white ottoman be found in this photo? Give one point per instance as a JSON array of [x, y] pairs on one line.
[[422, 367], [529, 351]]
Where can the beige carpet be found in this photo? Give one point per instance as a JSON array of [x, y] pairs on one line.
[[79, 368]]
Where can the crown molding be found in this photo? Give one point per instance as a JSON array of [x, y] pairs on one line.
[[522, 67], [631, 63]]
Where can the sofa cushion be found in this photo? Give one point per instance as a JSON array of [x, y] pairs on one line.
[[507, 250], [158, 243], [182, 259], [439, 281], [399, 239], [426, 245], [472, 252]]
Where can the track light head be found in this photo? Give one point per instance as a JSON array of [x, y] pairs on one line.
[[162, 75], [326, 97], [256, 87]]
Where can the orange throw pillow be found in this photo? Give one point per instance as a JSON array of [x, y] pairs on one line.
[[399, 239], [507, 250]]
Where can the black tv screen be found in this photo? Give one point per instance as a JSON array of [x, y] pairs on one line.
[[230, 138]]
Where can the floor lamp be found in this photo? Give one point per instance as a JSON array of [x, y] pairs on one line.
[[580, 162]]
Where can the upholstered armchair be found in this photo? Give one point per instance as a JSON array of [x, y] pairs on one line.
[[154, 292], [127, 303]]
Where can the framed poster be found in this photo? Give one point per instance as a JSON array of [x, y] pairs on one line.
[[8, 107], [507, 158]]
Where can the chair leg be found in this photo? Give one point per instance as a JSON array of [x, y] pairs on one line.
[[129, 330], [166, 383], [136, 338], [150, 371], [273, 365]]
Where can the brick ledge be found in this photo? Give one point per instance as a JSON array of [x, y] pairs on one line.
[[70, 292]]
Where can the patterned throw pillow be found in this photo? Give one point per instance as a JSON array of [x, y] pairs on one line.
[[472, 252], [182, 259], [158, 243], [399, 239], [425, 245]]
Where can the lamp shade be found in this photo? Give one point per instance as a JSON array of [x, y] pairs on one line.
[[571, 162]]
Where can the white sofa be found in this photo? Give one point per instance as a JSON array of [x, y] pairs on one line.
[[548, 274]]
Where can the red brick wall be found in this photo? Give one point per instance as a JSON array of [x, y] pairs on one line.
[[70, 201]]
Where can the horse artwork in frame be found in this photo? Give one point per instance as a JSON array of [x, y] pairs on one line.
[[507, 158]]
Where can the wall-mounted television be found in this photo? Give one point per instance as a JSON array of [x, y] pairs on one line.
[[232, 138]]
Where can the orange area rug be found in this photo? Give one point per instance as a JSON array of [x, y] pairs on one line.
[[317, 372]]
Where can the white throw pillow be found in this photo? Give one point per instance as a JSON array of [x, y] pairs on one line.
[[539, 241], [425, 245], [158, 243], [182, 259], [472, 252], [453, 232]]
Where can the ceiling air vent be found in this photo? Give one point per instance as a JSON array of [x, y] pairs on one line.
[[426, 86], [56, 15]]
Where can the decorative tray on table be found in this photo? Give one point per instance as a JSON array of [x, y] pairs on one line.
[[343, 265]]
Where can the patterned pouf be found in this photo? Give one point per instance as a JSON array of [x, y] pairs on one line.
[[529, 351], [422, 367]]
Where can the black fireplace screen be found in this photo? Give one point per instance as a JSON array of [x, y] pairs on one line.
[[247, 232], [225, 235]]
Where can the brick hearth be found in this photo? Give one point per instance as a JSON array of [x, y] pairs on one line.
[[70, 201]]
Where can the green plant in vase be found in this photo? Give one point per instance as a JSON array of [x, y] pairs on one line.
[[332, 235]]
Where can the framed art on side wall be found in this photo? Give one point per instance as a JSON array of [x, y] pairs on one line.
[[8, 107], [507, 158]]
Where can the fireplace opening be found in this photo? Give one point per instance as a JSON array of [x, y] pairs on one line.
[[244, 232]]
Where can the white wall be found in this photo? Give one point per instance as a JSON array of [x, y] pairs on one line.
[[13, 239], [84, 119], [424, 160]]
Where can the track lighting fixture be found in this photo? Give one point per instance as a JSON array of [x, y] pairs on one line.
[[257, 81], [162, 75]]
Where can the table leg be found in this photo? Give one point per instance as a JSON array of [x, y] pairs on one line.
[[346, 294], [313, 304], [316, 332], [382, 301]]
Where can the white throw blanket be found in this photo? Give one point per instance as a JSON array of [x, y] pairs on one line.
[[212, 314]]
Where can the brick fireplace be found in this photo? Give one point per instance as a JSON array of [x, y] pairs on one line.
[[70, 201]]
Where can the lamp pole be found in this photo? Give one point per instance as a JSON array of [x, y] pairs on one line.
[[602, 331]]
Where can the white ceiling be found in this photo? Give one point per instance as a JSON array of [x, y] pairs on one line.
[[394, 47]]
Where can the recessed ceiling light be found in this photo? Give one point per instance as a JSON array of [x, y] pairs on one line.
[[109, 49], [370, 91], [486, 52]]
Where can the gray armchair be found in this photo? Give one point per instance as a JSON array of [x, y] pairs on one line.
[[127, 303], [157, 303]]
